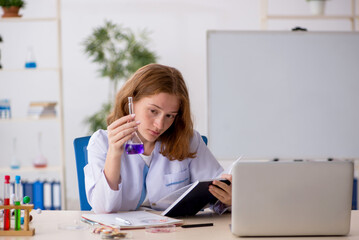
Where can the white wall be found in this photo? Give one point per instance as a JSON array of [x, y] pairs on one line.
[[178, 36]]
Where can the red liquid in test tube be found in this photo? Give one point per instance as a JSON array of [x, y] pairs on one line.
[[7, 202]]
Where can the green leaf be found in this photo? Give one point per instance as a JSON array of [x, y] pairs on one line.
[[15, 3], [98, 119]]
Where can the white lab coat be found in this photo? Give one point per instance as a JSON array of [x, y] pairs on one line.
[[163, 176]]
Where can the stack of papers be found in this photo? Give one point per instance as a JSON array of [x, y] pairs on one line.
[[42, 109], [131, 220]]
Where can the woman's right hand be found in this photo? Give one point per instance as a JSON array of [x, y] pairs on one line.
[[118, 132]]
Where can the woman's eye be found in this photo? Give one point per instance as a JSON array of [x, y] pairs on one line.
[[171, 116], [153, 111]]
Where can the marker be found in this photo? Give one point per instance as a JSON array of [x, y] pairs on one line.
[[197, 225], [123, 221]]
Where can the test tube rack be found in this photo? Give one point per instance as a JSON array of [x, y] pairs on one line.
[[26, 231]]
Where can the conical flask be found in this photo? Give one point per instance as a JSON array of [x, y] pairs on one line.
[[134, 145], [30, 58], [40, 160]]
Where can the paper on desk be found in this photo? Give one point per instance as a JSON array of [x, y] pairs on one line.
[[139, 219]]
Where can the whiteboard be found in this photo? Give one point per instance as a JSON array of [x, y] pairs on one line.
[[283, 94]]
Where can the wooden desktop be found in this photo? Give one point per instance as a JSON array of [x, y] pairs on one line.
[[47, 226]]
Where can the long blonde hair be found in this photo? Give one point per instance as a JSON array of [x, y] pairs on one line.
[[150, 80]]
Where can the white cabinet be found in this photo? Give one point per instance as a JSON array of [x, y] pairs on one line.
[[39, 29]]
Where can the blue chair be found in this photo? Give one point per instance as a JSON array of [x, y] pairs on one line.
[[205, 140], [80, 146]]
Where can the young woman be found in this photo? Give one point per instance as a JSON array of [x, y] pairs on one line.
[[174, 154]]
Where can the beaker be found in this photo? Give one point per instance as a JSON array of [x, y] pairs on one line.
[[134, 145]]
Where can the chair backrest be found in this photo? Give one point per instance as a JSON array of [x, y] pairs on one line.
[[80, 146], [205, 140]]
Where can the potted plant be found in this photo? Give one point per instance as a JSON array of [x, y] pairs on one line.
[[119, 52], [316, 6], [11, 7]]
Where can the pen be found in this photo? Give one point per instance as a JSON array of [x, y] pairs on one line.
[[123, 221], [197, 225], [89, 221]]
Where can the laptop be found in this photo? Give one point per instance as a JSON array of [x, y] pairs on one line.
[[306, 198]]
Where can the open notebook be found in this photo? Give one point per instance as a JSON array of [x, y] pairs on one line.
[[131, 220], [194, 199]]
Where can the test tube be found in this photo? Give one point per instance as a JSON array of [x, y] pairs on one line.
[[7, 202], [17, 201]]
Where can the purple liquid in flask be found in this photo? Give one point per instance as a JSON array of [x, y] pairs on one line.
[[134, 148]]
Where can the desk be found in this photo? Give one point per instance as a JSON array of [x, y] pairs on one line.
[[46, 228]]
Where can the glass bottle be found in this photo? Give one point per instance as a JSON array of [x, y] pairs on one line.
[[134, 145], [5, 108], [15, 162]]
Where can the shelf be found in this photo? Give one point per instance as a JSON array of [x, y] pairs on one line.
[[29, 69], [26, 19], [30, 169], [351, 17], [28, 119], [54, 67], [310, 17]]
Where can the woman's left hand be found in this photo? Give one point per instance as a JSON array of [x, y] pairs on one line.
[[222, 192]]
